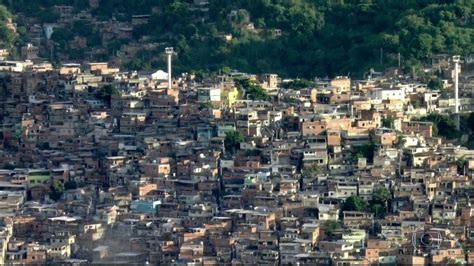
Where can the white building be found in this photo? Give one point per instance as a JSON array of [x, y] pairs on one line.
[[209, 94], [387, 94]]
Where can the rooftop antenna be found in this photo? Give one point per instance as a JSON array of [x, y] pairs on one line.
[[169, 53], [456, 60]]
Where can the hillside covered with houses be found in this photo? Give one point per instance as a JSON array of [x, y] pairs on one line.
[[246, 132]]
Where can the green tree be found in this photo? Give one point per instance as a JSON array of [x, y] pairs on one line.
[[57, 190], [253, 152], [242, 17], [300, 84], [311, 171], [378, 210], [232, 140], [461, 165], [400, 142], [388, 122], [138, 64], [82, 28], [62, 36], [22, 36], [423, 45], [470, 122], [7, 37], [48, 15], [435, 84], [205, 106], [304, 19], [94, 39], [330, 227], [105, 93], [252, 90], [4, 14], [443, 126], [381, 195], [114, 45], [413, 67], [364, 151], [226, 70], [354, 203]]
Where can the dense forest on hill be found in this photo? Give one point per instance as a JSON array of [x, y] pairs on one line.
[[297, 38]]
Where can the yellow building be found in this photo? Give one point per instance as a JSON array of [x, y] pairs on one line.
[[341, 84], [229, 96]]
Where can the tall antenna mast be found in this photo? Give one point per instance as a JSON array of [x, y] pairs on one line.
[[169, 53], [456, 60]]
